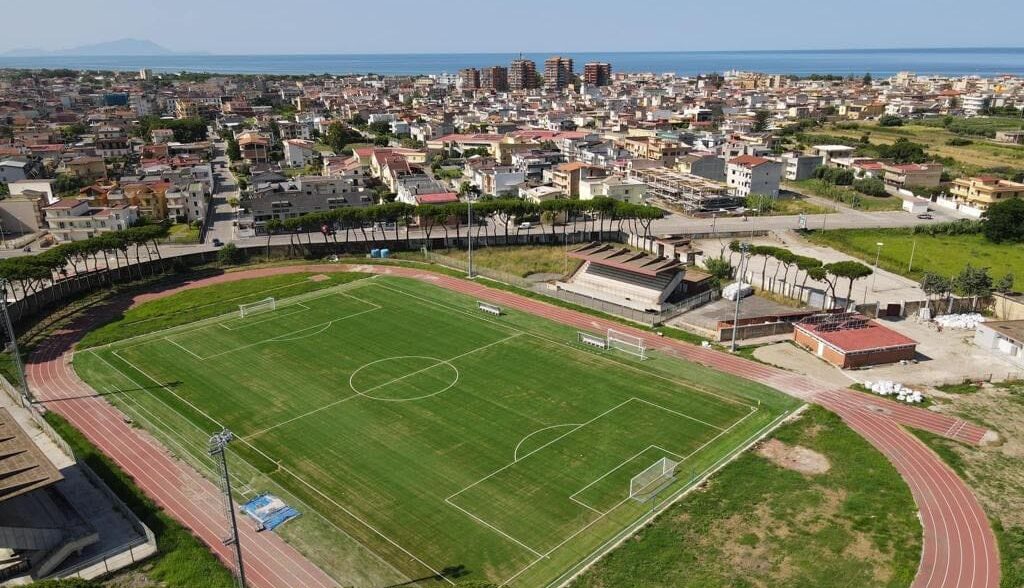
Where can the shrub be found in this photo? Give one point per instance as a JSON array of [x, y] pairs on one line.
[[1004, 221], [230, 255], [870, 186], [835, 176], [959, 227], [889, 120], [958, 142]]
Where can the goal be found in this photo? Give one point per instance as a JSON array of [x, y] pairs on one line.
[[628, 343], [645, 485], [265, 305]]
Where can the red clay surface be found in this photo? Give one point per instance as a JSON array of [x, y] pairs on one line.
[[959, 548]]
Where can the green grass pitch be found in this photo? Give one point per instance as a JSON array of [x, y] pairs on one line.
[[447, 441]]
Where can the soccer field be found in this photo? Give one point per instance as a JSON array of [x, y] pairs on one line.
[[449, 442]]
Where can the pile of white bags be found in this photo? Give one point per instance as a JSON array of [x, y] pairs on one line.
[[890, 388], [729, 292], [960, 321]]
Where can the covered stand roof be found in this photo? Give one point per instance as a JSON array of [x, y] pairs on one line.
[[625, 259]]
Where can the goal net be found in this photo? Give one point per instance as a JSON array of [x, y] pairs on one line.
[[629, 343], [265, 305], [646, 484]]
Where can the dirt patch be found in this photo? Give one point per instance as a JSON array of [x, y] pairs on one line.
[[319, 278], [794, 457]]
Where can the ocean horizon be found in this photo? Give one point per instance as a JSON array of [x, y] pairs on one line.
[[987, 61]]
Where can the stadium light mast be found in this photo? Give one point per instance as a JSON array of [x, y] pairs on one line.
[[744, 247], [26, 396], [218, 449], [469, 204]]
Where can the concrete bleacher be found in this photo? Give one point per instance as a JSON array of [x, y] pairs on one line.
[[621, 276]]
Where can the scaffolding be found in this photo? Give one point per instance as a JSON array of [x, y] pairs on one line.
[[692, 193]]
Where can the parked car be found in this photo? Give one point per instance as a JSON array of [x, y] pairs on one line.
[[526, 225], [925, 216], [217, 242]]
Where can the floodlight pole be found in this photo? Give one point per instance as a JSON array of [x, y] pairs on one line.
[[469, 201], [26, 396], [218, 449], [744, 247]]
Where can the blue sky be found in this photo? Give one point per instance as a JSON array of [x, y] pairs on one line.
[[419, 26]]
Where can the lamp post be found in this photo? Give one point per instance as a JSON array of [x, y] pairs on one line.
[[874, 276], [740, 274]]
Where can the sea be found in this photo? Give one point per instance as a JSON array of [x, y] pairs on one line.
[[878, 62]]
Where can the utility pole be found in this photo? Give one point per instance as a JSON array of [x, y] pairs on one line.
[[910, 266], [740, 274], [218, 449], [26, 396]]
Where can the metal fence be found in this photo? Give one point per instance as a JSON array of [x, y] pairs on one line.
[[649, 319], [463, 265]]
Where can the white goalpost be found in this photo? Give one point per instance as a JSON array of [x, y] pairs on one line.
[[646, 484], [629, 343], [266, 305]]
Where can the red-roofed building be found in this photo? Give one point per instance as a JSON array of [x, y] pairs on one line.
[[851, 340], [749, 174]]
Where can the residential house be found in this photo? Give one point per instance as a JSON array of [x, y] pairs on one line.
[[912, 175], [749, 174], [980, 192], [566, 176], [703, 164], [75, 220], [87, 168], [299, 152], [798, 166]]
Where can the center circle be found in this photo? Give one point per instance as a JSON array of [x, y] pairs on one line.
[[403, 378]]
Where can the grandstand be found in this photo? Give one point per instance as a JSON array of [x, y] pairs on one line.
[[619, 275]]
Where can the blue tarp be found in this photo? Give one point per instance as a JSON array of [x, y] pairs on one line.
[[269, 511]]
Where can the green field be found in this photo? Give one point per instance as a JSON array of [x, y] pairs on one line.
[[941, 254], [422, 438]]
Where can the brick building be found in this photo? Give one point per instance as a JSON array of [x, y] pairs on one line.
[[851, 340]]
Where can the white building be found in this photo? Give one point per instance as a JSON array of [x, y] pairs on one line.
[[74, 220], [623, 189], [749, 174], [299, 152]]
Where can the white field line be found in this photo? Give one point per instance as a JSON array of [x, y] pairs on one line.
[[357, 394], [274, 289], [340, 289], [273, 314], [622, 464], [515, 452], [136, 410], [182, 347], [290, 473], [647, 517], [571, 497], [496, 530], [603, 357], [291, 336]]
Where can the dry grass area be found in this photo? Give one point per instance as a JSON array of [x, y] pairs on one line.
[[996, 472], [520, 261], [815, 505]]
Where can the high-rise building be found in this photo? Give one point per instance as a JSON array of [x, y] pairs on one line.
[[494, 78], [469, 79], [597, 74], [522, 75], [557, 73]]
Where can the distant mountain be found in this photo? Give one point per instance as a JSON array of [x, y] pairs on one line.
[[106, 48]]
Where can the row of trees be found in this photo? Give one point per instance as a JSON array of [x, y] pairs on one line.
[[829, 274], [29, 274], [972, 282], [600, 214]]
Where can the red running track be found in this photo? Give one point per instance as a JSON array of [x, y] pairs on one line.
[[959, 548]]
